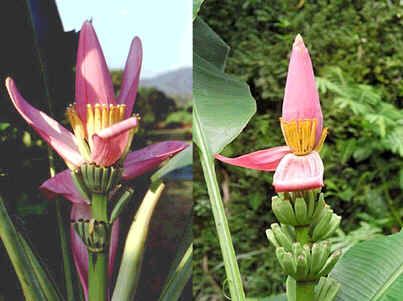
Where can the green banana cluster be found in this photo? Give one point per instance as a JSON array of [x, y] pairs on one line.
[[305, 221], [94, 234], [302, 210], [90, 178], [306, 263]]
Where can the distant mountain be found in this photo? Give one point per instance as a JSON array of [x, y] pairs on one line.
[[177, 84]]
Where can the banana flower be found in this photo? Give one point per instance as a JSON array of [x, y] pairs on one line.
[[102, 130], [297, 165]]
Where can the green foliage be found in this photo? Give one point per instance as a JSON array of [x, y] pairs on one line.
[[361, 101], [372, 270]]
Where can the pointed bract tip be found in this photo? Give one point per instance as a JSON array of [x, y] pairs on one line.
[[298, 42], [87, 24], [8, 80]]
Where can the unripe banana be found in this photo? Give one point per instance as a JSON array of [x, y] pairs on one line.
[[320, 253], [289, 264], [311, 204], [271, 238], [332, 291], [301, 211], [297, 249], [331, 261], [280, 252], [281, 238], [327, 289], [321, 204], [322, 226], [283, 210], [288, 230], [333, 225], [302, 267], [307, 253]]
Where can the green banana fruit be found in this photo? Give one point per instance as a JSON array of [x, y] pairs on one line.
[[281, 237], [330, 263], [301, 211], [271, 238], [322, 226], [283, 210]]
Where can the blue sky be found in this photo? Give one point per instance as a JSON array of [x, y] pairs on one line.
[[165, 28]]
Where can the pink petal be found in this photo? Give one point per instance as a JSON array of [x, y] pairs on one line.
[[62, 184], [301, 98], [299, 173], [79, 250], [131, 76], [266, 159], [143, 160], [110, 143], [93, 81], [60, 139]]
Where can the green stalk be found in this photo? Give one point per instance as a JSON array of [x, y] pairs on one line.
[[305, 291], [30, 286], [99, 207], [224, 236], [302, 234], [97, 276], [98, 262], [130, 266]]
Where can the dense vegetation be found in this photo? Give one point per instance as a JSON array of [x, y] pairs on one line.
[[356, 51]]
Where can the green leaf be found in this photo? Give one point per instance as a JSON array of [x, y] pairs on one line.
[[223, 104], [196, 7], [20, 260], [174, 287], [180, 160], [372, 270]]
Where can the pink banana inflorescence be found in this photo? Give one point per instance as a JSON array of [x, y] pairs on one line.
[[102, 130], [297, 165]]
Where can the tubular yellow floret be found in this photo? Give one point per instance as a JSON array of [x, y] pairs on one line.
[[76, 123], [300, 135]]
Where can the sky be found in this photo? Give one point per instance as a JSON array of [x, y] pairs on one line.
[[165, 28]]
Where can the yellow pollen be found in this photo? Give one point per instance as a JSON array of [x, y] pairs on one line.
[[300, 135]]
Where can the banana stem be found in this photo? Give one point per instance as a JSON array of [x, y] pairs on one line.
[[305, 291], [302, 234], [98, 262]]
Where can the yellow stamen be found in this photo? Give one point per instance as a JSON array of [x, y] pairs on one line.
[[79, 130], [98, 117], [122, 110], [90, 121], [105, 117], [75, 122], [300, 135], [321, 140]]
